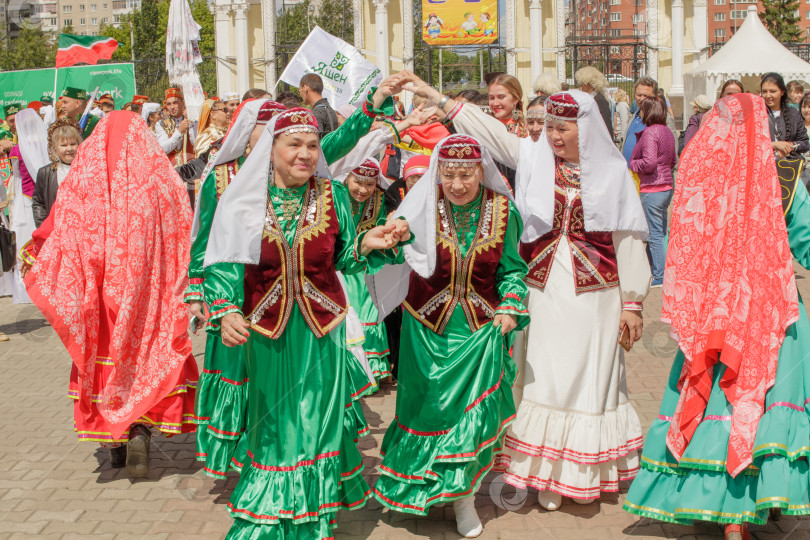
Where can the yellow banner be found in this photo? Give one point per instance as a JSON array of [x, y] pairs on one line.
[[459, 22]]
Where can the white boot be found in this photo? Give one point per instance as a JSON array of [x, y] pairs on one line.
[[584, 501], [467, 523], [549, 500]]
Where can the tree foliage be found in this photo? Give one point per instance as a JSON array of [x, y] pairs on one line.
[[337, 18], [31, 49], [781, 19]]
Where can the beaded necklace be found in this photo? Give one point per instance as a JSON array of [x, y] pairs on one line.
[[291, 201], [465, 218], [357, 206], [570, 174]]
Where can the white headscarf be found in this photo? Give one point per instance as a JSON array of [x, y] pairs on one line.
[[33, 140], [48, 115], [367, 147], [149, 108], [609, 197], [236, 233], [389, 286], [234, 146]]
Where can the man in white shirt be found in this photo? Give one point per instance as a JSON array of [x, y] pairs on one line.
[[176, 133]]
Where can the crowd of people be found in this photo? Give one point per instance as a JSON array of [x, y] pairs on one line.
[[486, 253]]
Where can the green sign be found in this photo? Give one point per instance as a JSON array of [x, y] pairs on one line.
[[25, 86], [28, 85]]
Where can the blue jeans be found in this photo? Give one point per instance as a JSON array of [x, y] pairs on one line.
[[655, 210]]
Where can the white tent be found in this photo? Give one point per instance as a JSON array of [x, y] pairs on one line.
[[751, 52]]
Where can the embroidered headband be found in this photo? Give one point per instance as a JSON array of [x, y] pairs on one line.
[[268, 110], [460, 150], [297, 120], [536, 113], [369, 170], [562, 107]]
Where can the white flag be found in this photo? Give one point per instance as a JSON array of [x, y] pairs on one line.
[[347, 76], [183, 55]]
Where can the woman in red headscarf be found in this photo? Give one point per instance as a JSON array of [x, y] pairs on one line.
[[731, 438], [109, 271]]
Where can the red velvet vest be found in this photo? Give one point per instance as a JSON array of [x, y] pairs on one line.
[[592, 253], [302, 273], [468, 281]]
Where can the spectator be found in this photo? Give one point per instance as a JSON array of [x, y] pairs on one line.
[[622, 118], [482, 102], [466, 96], [344, 112], [805, 110], [63, 140], [545, 85], [700, 106], [593, 82], [646, 87], [536, 117], [795, 92], [653, 159], [289, 99], [311, 90], [731, 86], [212, 125], [506, 103], [670, 115], [256, 93], [788, 134], [231, 101]]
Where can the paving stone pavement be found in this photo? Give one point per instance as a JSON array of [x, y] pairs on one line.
[[53, 486]]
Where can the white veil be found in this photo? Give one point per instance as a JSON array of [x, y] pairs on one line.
[[609, 197]]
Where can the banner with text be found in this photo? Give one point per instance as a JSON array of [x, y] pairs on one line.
[[25, 86], [118, 80], [347, 76], [459, 22], [29, 85]]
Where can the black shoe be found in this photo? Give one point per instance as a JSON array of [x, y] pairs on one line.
[[118, 456], [138, 451]]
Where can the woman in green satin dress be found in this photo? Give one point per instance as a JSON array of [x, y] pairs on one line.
[[464, 298], [731, 439], [222, 394], [281, 233]]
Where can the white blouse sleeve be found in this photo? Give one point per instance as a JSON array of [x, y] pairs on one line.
[[504, 146], [368, 146], [634, 268]]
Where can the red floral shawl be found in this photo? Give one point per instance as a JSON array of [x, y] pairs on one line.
[[118, 238], [729, 288]]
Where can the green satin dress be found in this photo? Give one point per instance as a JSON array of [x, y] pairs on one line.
[[376, 343], [454, 391], [699, 488], [221, 395], [302, 464]]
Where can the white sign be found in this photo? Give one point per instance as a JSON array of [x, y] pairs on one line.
[[347, 76]]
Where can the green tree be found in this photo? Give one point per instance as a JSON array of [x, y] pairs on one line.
[[150, 31], [32, 48], [781, 19], [292, 24], [121, 34], [337, 18]]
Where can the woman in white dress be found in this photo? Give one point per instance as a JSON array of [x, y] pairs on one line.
[[576, 433]]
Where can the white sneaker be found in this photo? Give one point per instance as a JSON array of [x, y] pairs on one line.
[[467, 523], [549, 500], [584, 501]]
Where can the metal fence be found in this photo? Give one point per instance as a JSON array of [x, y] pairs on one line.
[[622, 62], [152, 80]]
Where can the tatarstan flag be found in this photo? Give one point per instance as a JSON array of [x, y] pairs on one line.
[[87, 49]]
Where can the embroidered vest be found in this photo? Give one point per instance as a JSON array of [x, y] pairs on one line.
[[468, 281], [592, 253], [371, 211], [176, 156], [224, 174], [303, 273]]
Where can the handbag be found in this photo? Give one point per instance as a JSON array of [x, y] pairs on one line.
[[8, 247]]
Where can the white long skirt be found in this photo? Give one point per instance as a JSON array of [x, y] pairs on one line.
[[576, 432], [22, 223]]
